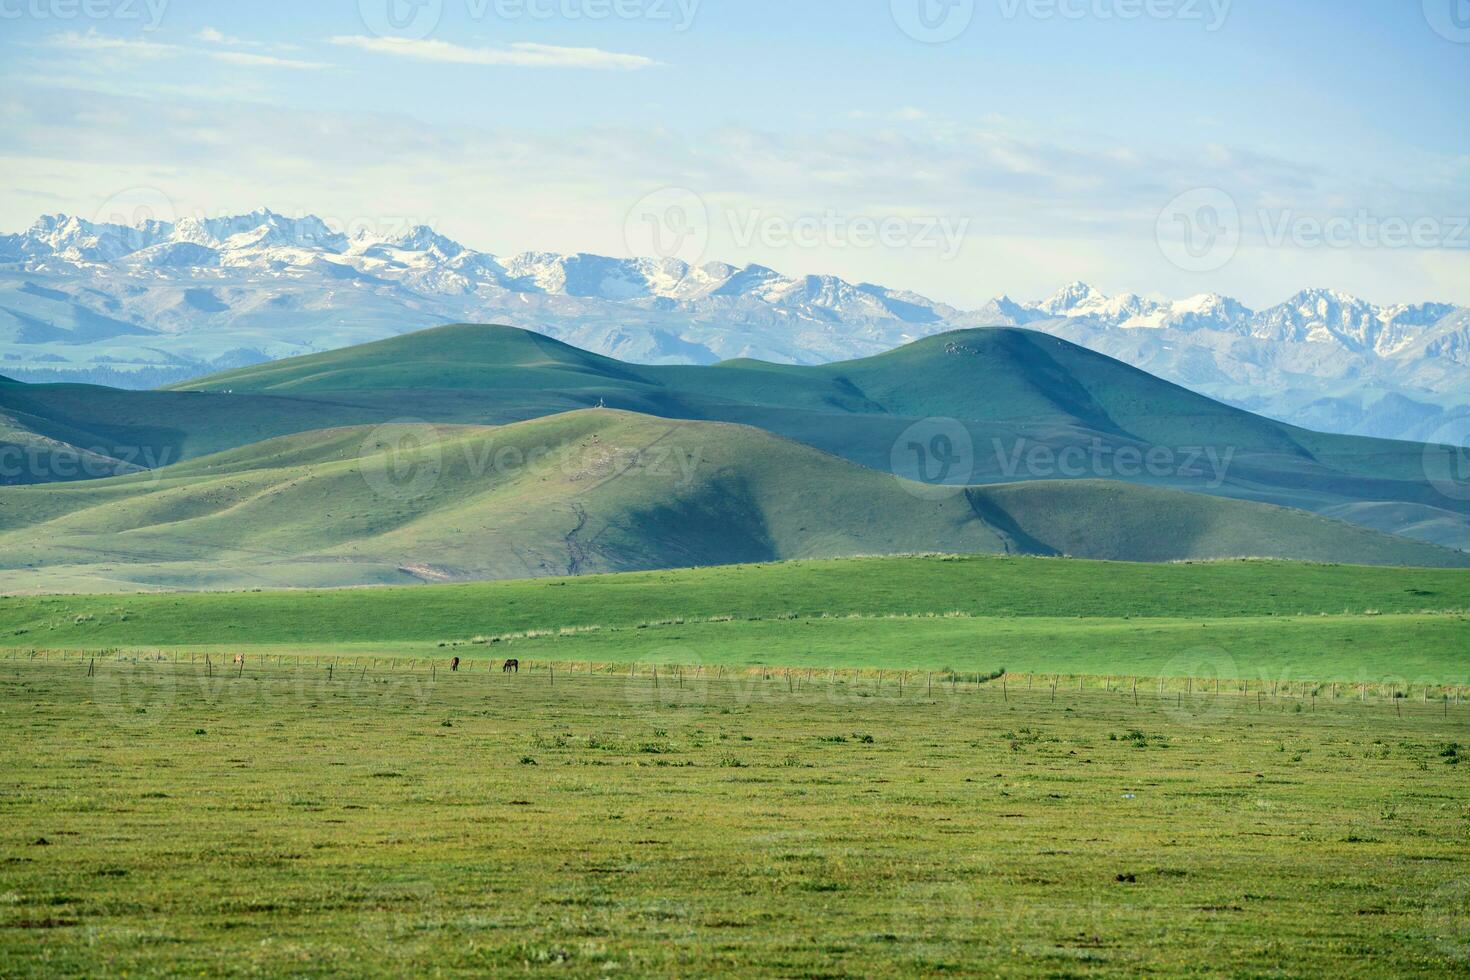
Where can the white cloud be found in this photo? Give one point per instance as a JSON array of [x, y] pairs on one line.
[[522, 55], [1041, 209], [210, 35], [95, 43], [265, 60]]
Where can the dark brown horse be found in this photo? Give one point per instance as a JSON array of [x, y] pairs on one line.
[[511, 667], [455, 664]]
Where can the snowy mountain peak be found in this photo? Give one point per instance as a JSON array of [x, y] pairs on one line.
[[1206, 303], [1326, 301], [269, 229], [1069, 297], [421, 238], [78, 240]]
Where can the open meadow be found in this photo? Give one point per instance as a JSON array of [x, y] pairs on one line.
[[1253, 621], [184, 818], [864, 767]]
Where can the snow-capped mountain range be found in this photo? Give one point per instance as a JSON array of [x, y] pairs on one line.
[[1314, 316], [161, 301]]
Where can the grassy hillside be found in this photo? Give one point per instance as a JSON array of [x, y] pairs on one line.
[[583, 492], [462, 356], [999, 375], [1003, 405], [1240, 619], [27, 456], [586, 492], [148, 430], [1090, 518], [1007, 392]]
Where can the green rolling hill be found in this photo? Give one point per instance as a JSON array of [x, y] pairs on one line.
[[117, 431], [587, 492], [1015, 406]]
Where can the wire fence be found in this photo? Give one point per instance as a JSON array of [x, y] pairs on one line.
[[686, 681]]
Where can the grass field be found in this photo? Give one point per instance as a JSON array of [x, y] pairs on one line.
[[809, 769], [165, 819], [1266, 621]]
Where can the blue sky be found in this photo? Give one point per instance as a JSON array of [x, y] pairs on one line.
[[1052, 138]]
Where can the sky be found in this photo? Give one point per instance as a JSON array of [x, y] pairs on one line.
[[962, 149]]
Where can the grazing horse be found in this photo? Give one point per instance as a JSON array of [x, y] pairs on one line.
[[455, 665], [239, 660], [511, 667]]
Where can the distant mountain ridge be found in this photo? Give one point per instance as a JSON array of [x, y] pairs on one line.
[[160, 302], [1311, 316]]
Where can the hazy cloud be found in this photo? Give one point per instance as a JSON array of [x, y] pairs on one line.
[[1036, 204], [522, 55], [138, 48]]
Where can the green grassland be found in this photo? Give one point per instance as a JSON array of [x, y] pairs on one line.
[[1417, 652], [164, 820], [1236, 620], [593, 491], [1003, 394]]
